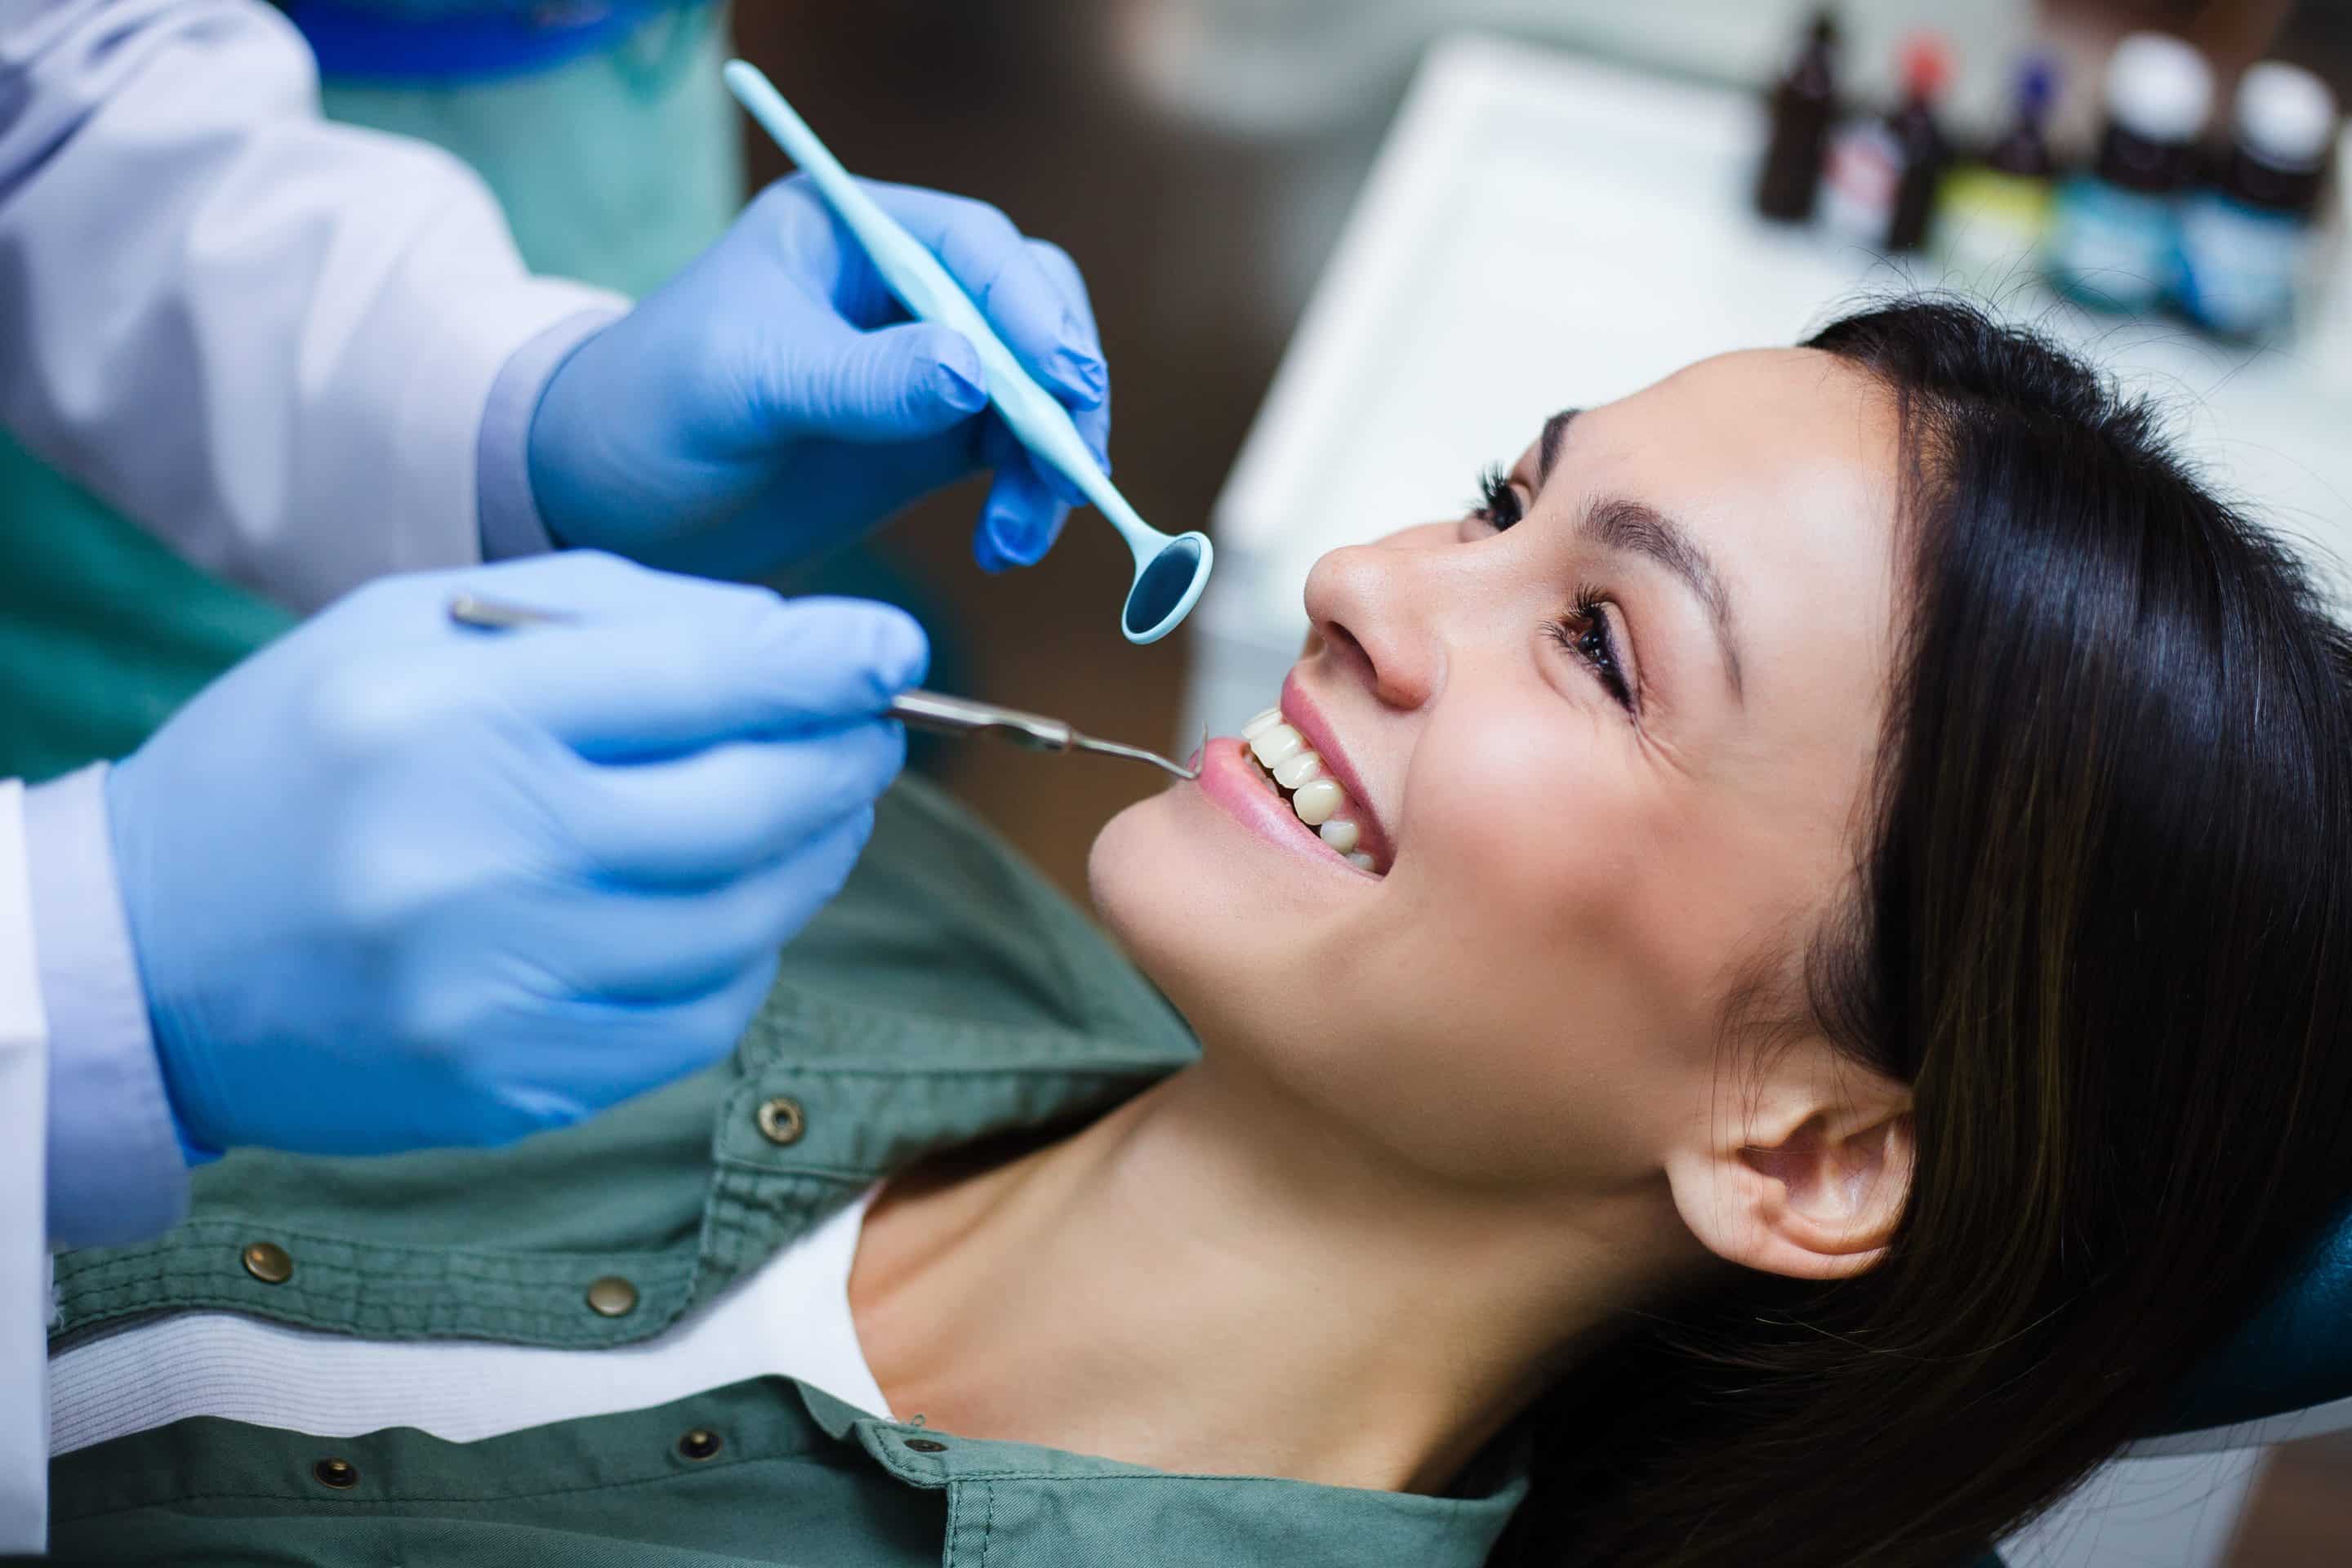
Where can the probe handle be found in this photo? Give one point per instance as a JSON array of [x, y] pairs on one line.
[[918, 709], [947, 715]]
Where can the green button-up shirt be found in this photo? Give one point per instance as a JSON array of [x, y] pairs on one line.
[[946, 994]]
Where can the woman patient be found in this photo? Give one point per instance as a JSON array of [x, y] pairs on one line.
[[1760, 998]]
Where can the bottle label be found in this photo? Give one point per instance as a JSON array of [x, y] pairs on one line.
[[1860, 177], [2111, 247], [1990, 225], [2239, 266]]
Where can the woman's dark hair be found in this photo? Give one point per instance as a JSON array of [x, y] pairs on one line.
[[2103, 928]]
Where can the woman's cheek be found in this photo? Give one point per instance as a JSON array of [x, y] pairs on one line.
[[1524, 796]]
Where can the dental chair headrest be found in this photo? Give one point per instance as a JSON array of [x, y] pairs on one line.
[[2292, 1357], [2294, 1354]]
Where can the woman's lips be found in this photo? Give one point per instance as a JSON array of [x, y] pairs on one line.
[[1231, 778], [1303, 713]]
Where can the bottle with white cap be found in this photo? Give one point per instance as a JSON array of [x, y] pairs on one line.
[[2243, 242], [2113, 238]]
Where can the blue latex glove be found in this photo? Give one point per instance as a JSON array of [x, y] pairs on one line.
[[395, 882], [774, 399]]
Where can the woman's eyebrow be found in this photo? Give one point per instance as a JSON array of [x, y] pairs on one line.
[[1634, 527], [1555, 431]]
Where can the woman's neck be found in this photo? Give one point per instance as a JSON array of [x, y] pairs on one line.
[[1205, 1280]]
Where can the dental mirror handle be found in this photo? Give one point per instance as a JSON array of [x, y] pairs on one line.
[[924, 287]]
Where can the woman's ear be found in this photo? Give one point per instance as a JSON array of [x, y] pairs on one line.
[[1806, 1173]]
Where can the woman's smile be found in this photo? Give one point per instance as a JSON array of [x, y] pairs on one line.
[[1240, 787], [1285, 778]]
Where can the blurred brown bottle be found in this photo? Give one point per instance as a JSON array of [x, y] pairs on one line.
[[1926, 71], [1803, 105]]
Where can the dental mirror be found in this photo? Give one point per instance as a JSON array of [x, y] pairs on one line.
[[1165, 590]]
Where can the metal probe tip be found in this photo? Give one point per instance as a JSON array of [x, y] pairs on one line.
[[1113, 749]]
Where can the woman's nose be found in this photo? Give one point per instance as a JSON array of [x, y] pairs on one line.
[[1375, 607]]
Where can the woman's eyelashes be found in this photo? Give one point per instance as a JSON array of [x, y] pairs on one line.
[[1498, 505], [1583, 630]]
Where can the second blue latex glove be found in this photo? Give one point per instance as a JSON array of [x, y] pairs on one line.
[[393, 882], [773, 400]]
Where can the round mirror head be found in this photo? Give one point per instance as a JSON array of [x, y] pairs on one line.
[[1166, 590]]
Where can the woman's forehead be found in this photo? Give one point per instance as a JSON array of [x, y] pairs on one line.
[[1776, 460], [1760, 419]]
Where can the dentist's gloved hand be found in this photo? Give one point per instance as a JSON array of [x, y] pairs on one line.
[[395, 882], [774, 399]]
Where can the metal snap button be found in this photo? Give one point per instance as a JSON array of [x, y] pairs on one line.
[[698, 1444], [927, 1445], [612, 1297], [782, 1119], [340, 1474], [268, 1262]]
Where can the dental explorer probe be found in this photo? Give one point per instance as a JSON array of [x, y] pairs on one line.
[[947, 715], [932, 710]]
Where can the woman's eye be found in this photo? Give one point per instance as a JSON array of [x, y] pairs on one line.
[[1584, 631], [1498, 500]]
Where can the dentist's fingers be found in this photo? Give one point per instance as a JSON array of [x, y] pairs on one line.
[[716, 815], [643, 688], [662, 945], [1027, 503], [569, 585], [1058, 266], [1093, 423], [1020, 519], [893, 383], [605, 1051], [1047, 324]]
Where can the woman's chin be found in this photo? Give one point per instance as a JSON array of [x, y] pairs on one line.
[[1181, 888], [1129, 867]]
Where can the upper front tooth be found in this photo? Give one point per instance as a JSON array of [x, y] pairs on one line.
[[1261, 724], [1294, 771], [1317, 799], [1276, 741]]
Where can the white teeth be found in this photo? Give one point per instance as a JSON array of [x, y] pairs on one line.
[[1276, 742], [1317, 800], [1292, 772]]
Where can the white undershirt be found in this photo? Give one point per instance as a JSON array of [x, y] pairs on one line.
[[791, 1317]]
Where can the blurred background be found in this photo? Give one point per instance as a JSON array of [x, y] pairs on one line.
[[1202, 159]]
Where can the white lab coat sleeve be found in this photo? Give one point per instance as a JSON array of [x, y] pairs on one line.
[[117, 1170], [267, 338], [24, 1251]]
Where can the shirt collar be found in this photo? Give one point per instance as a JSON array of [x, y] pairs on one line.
[[1044, 1505], [872, 1087]]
